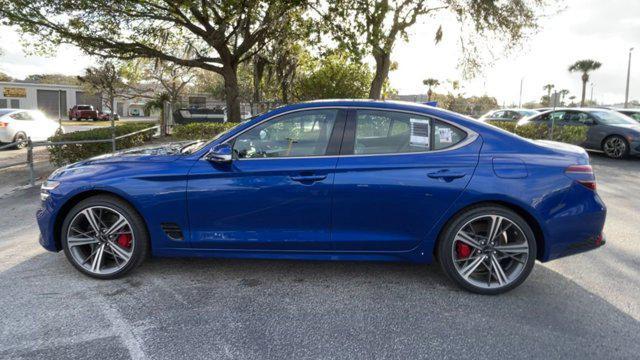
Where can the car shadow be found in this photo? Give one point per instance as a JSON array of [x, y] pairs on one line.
[[284, 309]]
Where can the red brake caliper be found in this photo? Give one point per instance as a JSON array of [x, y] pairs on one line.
[[463, 250], [124, 240]]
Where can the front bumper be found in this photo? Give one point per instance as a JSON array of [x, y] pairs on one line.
[[46, 223], [634, 147]]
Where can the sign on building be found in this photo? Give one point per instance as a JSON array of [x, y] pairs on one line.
[[15, 92]]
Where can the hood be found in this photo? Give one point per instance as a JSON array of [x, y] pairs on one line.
[[159, 152], [167, 152]]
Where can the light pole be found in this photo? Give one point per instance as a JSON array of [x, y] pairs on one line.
[[626, 93], [592, 85], [520, 98]]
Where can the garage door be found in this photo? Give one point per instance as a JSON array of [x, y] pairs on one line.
[[85, 98], [52, 102]]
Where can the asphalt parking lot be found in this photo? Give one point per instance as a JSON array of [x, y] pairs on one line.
[[585, 306]]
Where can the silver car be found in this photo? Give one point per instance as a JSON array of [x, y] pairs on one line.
[[615, 134], [17, 125]]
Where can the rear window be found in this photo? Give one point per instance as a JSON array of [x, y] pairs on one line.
[[5, 112], [85, 107]]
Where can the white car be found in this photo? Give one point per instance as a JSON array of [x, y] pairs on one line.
[[16, 124]]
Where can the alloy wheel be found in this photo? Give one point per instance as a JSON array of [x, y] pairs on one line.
[[100, 240], [615, 147], [490, 251]]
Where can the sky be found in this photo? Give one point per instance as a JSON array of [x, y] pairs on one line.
[[594, 29]]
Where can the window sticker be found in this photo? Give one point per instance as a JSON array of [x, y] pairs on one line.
[[445, 135], [419, 133]]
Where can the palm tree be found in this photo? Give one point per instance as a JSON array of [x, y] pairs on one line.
[[430, 83], [584, 66], [548, 87], [563, 93]]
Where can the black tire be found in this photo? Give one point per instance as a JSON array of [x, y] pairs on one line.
[[20, 137], [141, 236], [615, 152], [445, 246]]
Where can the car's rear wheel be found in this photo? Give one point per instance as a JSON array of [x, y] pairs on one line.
[[487, 250], [22, 137], [615, 147], [104, 237]]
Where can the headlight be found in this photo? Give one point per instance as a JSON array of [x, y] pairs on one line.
[[46, 187]]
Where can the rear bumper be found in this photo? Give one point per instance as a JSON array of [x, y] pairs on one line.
[[6, 136], [634, 148], [578, 227]]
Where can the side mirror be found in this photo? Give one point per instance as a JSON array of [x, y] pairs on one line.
[[221, 154]]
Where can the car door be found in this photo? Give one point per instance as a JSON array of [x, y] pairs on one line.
[[276, 192], [397, 175], [583, 119]]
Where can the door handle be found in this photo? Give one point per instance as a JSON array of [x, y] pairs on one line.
[[446, 175], [308, 178]]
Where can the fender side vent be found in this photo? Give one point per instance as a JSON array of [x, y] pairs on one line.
[[173, 231]]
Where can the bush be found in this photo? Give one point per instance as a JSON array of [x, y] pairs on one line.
[[568, 134], [64, 154], [200, 130]]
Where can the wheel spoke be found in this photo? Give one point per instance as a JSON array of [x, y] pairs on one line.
[[496, 224], [515, 249], [96, 264], [119, 224], [119, 252], [77, 241], [470, 268], [499, 272], [467, 239], [93, 222]]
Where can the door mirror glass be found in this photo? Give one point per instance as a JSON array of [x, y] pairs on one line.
[[220, 154]]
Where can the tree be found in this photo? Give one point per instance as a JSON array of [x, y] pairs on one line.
[[220, 35], [372, 27], [547, 100], [585, 67], [335, 77], [105, 80], [52, 79], [430, 83], [563, 93], [172, 78], [5, 77]]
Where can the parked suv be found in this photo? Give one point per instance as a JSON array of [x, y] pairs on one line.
[[80, 112]]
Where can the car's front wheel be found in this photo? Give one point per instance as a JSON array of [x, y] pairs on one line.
[[615, 147], [487, 249], [104, 237]]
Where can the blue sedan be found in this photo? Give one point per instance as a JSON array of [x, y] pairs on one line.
[[333, 180]]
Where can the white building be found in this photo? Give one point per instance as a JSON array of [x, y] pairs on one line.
[[56, 100]]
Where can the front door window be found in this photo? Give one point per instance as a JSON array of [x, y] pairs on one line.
[[299, 134]]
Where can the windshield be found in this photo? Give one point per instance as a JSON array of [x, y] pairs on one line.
[[528, 112], [613, 118]]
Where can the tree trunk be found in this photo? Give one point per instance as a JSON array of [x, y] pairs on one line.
[[232, 92], [429, 93], [585, 80], [258, 71], [383, 63]]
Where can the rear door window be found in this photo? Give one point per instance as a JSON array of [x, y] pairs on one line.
[[390, 132]]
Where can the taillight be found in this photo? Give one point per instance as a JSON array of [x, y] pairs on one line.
[[3, 124], [583, 174]]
